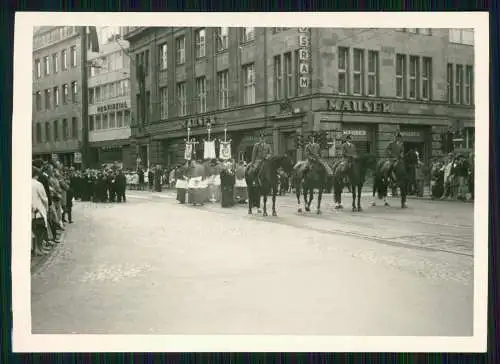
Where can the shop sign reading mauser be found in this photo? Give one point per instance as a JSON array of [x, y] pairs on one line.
[[358, 106], [304, 57]]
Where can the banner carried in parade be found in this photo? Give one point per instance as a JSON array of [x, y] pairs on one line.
[[188, 151], [209, 150], [225, 150]]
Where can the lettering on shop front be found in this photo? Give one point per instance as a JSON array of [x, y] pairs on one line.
[[355, 132], [415, 134], [358, 106], [116, 106], [198, 122]]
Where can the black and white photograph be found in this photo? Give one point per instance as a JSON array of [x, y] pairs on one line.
[[315, 180]]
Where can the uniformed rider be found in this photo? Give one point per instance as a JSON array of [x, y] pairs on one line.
[[348, 150], [261, 151], [312, 152], [395, 152]]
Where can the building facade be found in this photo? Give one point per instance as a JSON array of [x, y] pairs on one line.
[[370, 83], [56, 115], [109, 100]]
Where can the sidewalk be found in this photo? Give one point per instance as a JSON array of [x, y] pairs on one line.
[[38, 261]]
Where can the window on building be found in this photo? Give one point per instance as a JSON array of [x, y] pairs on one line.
[[180, 50], [65, 133], [469, 85], [46, 64], [373, 68], [164, 103], [181, 97], [74, 128], [146, 62], [91, 123], [126, 118], [426, 78], [201, 91], [163, 54], [119, 119], [38, 68], [56, 130], [74, 91], [469, 138], [56, 96], [73, 56], [278, 78], [138, 112], [38, 101], [47, 99], [97, 92], [98, 125], [38, 133], [223, 82], [91, 96], [148, 106], [400, 75], [64, 57], [126, 90], [288, 74], [462, 36], [414, 70], [343, 61], [358, 74], [459, 84], [425, 31], [200, 43], [222, 38], [65, 93], [105, 121], [249, 84], [47, 131], [411, 30], [55, 62], [449, 82], [112, 119], [247, 34]]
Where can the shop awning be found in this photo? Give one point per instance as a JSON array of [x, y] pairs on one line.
[[114, 143]]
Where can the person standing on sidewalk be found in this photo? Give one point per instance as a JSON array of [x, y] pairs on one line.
[[419, 179], [121, 186]]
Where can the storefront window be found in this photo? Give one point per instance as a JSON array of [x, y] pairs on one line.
[[105, 124], [112, 120], [98, 125]]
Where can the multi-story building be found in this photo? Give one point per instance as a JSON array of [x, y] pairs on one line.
[[109, 100], [292, 81], [56, 115]]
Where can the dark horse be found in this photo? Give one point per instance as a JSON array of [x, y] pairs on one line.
[[264, 181], [401, 176], [355, 174], [311, 178]]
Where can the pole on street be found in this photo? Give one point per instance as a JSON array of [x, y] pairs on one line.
[[85, 95]]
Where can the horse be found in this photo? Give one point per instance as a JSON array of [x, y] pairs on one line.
[[307, 180], [355, 174], [264, 181], [401, 176]]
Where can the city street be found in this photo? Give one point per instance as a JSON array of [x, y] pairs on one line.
[[153, 266]]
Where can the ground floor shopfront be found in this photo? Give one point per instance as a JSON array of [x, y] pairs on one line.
[[372, 124], [68, 159], [112, 152]]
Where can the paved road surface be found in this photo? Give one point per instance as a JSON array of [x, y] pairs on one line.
[[152, 266]]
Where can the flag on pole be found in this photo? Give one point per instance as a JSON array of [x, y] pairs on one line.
[[188, 151], [225, 150], [93, 40], [209, 150]]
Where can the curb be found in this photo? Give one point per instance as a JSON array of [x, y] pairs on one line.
[[39, 262]]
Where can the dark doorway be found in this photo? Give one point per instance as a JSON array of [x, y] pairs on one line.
[[418, 146]]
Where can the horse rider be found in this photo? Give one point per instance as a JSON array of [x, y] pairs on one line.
[[312, 152], [395, 152], [261, 151], [349, 151]]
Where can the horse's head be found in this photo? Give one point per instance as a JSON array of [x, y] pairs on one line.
[[283, 162], [411, 158], [368, 161]]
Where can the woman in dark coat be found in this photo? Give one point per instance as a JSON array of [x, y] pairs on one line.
[[227, 181]]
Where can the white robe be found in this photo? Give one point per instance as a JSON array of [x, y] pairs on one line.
[[39, 199]]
